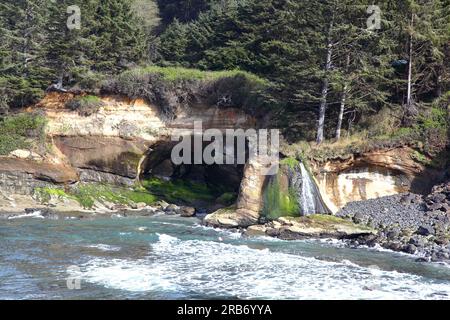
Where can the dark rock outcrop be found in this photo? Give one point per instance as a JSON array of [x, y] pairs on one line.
[[105, 154], [439, 198], [21, 176], [407, 222]]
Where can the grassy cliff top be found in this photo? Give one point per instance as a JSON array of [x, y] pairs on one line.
[[174, 74], [173, 87]]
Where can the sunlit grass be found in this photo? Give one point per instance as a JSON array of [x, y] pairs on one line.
[[179, 73]]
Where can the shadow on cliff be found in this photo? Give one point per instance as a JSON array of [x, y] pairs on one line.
[[436, 172]]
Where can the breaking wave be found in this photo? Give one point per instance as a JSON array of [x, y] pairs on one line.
[[217, 269]]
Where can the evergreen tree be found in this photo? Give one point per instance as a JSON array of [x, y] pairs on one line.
[[361, 62], [22, 74], [174, 43], [66, 48], [421, 30], [120, 38], [147, 12], [182, 10]]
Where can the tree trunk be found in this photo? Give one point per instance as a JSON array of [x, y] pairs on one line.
[[439, 84], [343, 100], [341, 113], [322, 110], [410, 62], [324, 94]]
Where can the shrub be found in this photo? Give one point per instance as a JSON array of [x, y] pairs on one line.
[[44, 195], [85, 105], [435, 118], [290, 162], [22, 131], [89, 80]]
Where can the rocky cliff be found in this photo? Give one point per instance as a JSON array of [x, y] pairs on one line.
[[126, 139], [374, 174], [110, 145]]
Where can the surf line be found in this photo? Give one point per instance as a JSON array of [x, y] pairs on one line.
[[200, 311]]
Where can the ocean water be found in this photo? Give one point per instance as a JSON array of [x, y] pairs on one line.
[[177, 258]]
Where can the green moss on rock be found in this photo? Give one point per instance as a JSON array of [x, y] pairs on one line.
[[88, 194], [280, 199], [290, 162], [175, 191]]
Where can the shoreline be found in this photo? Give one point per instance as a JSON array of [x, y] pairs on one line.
[[133, 213], [401, 223]]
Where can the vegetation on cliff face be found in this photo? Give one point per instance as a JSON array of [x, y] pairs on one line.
[[87, 195], [85, 105], [280, 199], [22, 131], [172, 88], [180, 191]]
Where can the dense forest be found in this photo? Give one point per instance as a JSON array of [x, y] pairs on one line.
[[333, 67]]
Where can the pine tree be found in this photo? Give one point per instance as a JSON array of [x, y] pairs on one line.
[[66, 47], [21, 66], [361, 62], [422, 35], [147, 12], [174, 43], [120, 38], [182, 10]]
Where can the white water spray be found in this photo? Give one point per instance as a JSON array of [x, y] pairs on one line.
[[308, 202]]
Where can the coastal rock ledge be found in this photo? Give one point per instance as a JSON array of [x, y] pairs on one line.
[[291, 228], [313, 226]]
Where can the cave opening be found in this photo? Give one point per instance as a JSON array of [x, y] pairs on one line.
[[206, 187]]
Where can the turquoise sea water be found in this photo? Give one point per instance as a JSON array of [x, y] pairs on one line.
[[177, 258]]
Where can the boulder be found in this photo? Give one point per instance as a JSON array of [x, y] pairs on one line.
[[108, 205], [410, 248], [435, 206], [231, 218], [133, 205], [120, 207], [393, 234], [425, 230], [418, 241], [162, 204], [26, 154], [187, 212], [172, 209], [256, 230], [141, 205]]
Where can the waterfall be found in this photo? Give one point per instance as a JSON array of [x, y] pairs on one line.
[[308, 192], [293, 191]]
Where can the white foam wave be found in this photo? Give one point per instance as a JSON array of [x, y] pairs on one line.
[[34, 214], [104, 247], [219, 269], [231, 234]]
